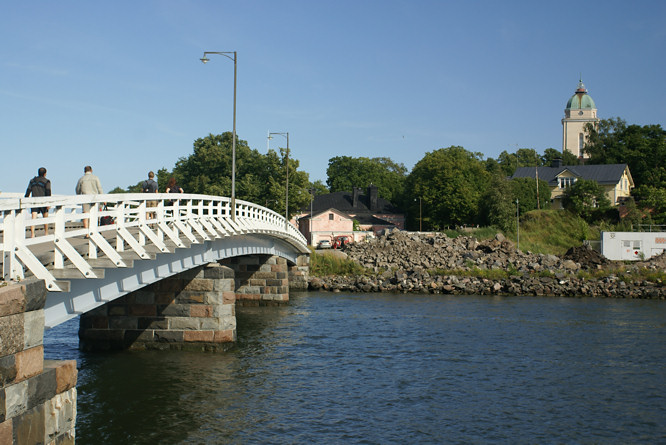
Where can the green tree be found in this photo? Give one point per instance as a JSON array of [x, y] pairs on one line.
[[345, 172], [523, 157], [643, 149], [497, 206], [586, 198], [550, 154], [525, 191], [319, 187], [259, 178], [450, 182], [652, 202]]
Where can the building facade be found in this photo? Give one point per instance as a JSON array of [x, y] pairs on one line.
[[354, 214], [615, 179]]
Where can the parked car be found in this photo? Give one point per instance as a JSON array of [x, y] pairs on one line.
[[324, 244]]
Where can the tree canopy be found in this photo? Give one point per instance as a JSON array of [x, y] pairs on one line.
[[345, 172], [585, 198], [259, 178], [643, 149], [450, 182]]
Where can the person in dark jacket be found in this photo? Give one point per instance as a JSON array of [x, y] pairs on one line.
[[150, 186], [39, 186]]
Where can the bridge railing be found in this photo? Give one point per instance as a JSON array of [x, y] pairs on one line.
[[119, 223]]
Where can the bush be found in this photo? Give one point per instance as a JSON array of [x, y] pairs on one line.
[[329, 264]]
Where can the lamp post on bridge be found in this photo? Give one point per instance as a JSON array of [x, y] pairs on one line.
[[286, 198], [205, 60]]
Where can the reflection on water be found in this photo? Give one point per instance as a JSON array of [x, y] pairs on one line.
[[389, 368]]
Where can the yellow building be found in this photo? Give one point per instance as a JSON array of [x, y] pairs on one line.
[[615, 179], [579, 112]]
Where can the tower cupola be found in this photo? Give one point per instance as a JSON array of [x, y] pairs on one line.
[[580, 111]]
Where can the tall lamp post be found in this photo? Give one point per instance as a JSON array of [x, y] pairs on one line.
[[517, 225], [286, 198], [204, 59], [312, 196], [420, 215]]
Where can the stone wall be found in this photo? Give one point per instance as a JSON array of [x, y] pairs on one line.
[[261, 280], [299, 275], [37, 397], [194, 310]]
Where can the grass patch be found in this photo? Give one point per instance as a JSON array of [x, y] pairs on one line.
[[328, 264], [489, 274], [482, 233], [553, 231], [621, 273]]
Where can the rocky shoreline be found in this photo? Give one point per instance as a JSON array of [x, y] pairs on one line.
[[423, 263]]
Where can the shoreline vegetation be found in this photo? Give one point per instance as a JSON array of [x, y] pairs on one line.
[[436, 263]]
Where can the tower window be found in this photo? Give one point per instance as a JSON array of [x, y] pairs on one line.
[[581, 141]]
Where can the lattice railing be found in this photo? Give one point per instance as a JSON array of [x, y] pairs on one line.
[[142, 224]]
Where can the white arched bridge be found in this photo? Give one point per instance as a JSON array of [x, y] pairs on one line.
[[132, 240]]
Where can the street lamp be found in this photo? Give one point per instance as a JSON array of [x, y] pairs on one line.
[[286, 198], [312, 196], [517, 225], [205, 60], [420, 215]]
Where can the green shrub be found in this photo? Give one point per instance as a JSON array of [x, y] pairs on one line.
[[329, 264]]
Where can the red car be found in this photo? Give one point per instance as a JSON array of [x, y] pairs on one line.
[[340, 241]]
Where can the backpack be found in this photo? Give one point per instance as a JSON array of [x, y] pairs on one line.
[[37, 187], [149, 186]]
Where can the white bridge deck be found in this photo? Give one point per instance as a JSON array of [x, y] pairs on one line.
[[85, 268]]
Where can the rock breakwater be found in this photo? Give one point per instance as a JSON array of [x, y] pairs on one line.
[[435, 263]]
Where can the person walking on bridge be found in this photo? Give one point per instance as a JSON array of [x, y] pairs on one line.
[[150, 186], [88, 185], [39, 186]]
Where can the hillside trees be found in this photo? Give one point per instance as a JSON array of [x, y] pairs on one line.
[[450, 182], [346, 172], [550, 154], [586, 198], [523, 157], [643, 149], [498, 204], [259, 178]]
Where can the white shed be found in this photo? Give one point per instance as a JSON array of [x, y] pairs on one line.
[[632, 245]]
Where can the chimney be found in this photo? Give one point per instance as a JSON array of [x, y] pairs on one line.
[[557, 163], [372, 197], [356, 191]]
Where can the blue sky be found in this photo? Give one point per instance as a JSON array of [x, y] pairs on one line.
[[119, 85]]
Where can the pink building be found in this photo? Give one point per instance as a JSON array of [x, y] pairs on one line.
[[335, 214]]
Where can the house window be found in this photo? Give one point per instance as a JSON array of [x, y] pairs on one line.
[[330, 217], [565, 182]]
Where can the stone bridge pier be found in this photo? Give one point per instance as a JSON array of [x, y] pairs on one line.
[[193, 310], [37, 396]]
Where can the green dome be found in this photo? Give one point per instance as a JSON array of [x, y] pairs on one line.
[[580, 99]]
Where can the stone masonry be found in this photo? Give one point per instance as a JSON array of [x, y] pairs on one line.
[[261, 280], [37, 396], [194, 310], [299, 275]]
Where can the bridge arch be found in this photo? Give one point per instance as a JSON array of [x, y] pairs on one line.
[[151, 238]]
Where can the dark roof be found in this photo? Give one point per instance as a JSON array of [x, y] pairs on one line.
[[603, 174], [343, 201], [372, 220]]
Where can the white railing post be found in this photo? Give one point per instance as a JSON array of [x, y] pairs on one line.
[[59, 233]]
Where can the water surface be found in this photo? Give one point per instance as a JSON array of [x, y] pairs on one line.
[[391, 368]]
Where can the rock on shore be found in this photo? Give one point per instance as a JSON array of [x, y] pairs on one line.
[[421, 263]]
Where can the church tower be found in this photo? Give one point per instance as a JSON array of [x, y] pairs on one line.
[[580, 111]]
